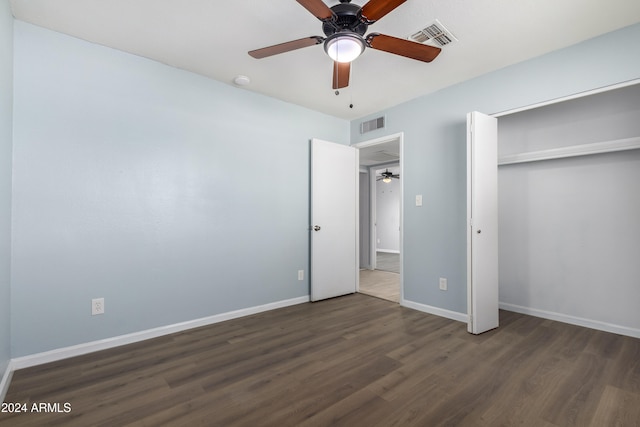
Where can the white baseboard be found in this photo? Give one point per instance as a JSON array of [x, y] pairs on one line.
[[388, 251], [80, 349], [573, 320], [6, 380], [453, 315]]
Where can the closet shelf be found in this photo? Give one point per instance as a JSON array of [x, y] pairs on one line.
[[572, 151]]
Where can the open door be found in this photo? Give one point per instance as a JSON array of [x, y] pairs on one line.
[[334, 219], [482, 216]]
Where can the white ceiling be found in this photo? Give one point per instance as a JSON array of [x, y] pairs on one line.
[[212, 38], [388, 152]]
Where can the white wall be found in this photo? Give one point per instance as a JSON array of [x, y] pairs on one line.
[[569, 238], [151, 187], [388, 213], [6, 119]]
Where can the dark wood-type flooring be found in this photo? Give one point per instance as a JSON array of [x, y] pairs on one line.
[[350, 361]]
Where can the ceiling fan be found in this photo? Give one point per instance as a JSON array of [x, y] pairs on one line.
[[386, 176], [344, 26]]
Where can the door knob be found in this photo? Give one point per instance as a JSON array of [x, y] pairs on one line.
[[479, 231], [316, 227]]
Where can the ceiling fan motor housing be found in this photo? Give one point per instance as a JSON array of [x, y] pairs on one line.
[[348, 18]]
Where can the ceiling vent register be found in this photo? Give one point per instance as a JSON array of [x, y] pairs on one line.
[[371, 125], [434, 33]]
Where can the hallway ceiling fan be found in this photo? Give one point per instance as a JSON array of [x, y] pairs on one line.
[[387, 175], [344, 26]]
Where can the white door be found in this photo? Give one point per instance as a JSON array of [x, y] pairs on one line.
[[482, 215], [334, 219]]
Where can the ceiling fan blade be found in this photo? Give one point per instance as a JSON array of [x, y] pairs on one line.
[[402, 47], [285, 47], [317, 8], [376, 9], [341, 72]]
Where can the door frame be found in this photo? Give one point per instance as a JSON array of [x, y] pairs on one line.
[[372, 243]]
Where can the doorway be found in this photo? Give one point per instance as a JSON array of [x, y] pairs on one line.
[[381, 195]]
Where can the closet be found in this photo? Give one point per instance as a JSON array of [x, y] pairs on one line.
[[569, 210]]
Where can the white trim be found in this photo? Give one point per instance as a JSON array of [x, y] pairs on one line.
[[381, 140], [80, 349], [6, 380], [572, 151], [373, 219], [357, 221], [468, 224], [573, 320], [453, 315], [567, 98]]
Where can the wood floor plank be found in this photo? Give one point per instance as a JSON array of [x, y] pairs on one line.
[[627, 366], [323, 390], [574, 400], [525, 393], [354, 360], [617, 408], [409, 408], [362, 408]]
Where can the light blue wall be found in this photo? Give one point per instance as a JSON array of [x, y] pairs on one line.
[[434, 129], [172, 196], [175, 197], [6, 119]]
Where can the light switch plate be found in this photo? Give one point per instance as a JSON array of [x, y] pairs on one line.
[[419, 200]]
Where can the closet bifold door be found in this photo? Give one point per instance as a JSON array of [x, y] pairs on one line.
[[482, 222]]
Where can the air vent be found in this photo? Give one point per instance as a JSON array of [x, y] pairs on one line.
[[434, 33], [371, 125]]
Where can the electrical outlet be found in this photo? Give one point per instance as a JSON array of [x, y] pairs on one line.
[[97, 306], [443, 284], [300, 274]]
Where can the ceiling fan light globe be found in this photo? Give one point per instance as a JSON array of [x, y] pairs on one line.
[[344, 47], [386, 179]]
